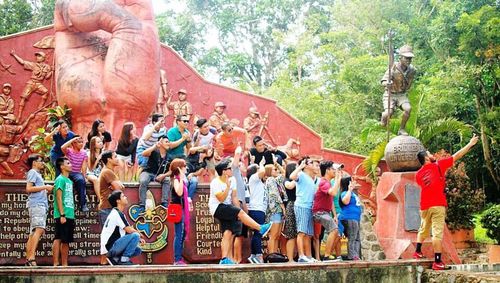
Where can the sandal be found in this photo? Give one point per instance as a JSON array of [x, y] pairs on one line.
[[30, 262]]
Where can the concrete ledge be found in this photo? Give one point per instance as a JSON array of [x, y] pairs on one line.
[[349, 271]]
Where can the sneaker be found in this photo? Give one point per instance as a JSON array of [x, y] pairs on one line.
[[439, 266], [312, 259], [226, 261], [125, 263], [252, 259], [259, 259], [339, 258], [356, 258], [85, 208], [113, 260], [303, 259], [265, 228], [418, 255], [402, 132], [329, 258], [180, 262]]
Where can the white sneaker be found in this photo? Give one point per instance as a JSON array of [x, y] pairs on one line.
[[312, 259]]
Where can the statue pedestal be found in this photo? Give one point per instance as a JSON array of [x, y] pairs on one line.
[[398, 219]]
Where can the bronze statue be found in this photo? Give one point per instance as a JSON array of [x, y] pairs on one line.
[[6, 104], [397, 80], [40, 71], [252, 124]]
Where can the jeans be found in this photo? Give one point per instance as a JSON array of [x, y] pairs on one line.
[[79, 184], [179, 239], [259, 217], [192, 186], [127, 246], [141, 159], [144, 181], [351, 230]]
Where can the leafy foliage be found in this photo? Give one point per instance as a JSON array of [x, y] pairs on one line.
[[37, 144], [491, 221], [59, 113]]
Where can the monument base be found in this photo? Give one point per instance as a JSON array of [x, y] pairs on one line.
[[398, 219]]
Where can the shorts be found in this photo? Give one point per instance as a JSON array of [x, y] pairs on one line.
[[397, 99], [432, 217], [228, 218], [127, 158], [64, 232], [303, 216], [276, 218], [38, 217], [324, 219], [210, 164]]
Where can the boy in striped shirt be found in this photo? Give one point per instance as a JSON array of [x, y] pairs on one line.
[[73, 149]]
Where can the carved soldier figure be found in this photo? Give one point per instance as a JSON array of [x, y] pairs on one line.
[[252, 124], [161, 107], [401, 79], [9, 131], [40, 72], [218, 117], [182, 106], [6, 104]]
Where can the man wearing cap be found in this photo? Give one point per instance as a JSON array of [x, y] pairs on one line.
[[40, 72], [218, 117], [400, 82], [182, 106], [6, 104]]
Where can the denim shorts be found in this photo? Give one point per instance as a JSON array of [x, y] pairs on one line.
[[38, 217], [276, 218]]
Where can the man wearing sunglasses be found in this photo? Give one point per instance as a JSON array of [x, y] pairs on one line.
[[180, 138]]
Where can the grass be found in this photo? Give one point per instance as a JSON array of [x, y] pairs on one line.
[[480, 232]]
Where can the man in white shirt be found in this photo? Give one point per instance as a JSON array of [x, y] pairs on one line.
[[119, 240], [224, 206]]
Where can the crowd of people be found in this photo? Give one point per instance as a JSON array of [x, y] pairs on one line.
[[255, 191]]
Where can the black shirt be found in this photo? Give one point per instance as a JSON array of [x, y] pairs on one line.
[[156, 163], [126, 150]]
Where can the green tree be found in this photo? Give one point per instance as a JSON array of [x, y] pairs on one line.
[[15, 16]]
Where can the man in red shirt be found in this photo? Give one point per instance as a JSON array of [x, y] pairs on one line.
[[432, 181], [322, 207]]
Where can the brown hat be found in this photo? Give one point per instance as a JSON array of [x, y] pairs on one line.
[[182, 91], [220, 104], [40, 53], [7, 85], [406, 51]]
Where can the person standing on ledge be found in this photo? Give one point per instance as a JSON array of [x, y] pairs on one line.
[[37, 205], [402, 75], [64, 212], [432, 181]]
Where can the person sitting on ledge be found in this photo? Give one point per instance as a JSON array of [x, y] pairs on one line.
[[224, 206], [119, 240], [156, 170]]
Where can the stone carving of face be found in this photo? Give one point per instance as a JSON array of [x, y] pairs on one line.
[[6, 90]]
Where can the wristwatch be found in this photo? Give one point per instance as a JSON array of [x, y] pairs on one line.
[[63, 215]]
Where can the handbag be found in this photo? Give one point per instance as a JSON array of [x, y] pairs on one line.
[[275, 257], [174, 212]]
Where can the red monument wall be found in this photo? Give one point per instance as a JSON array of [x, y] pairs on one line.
[[200, 93]]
